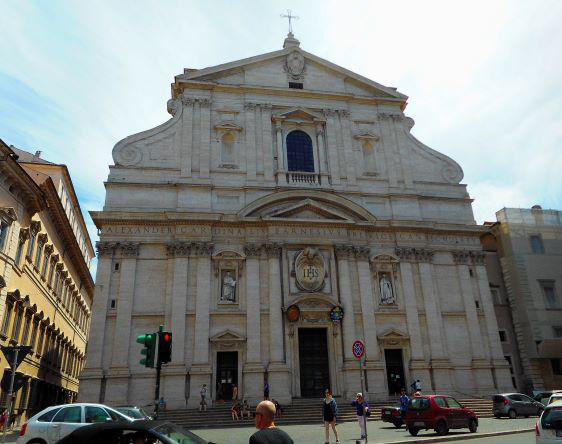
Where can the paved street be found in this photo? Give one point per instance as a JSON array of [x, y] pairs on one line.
[[378, 433]]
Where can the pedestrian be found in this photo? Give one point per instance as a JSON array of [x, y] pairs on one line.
[[404, 400], [234, 392], [329, 414], [245, 409], [234, 410], [203, 402], [13, 418], [265, 390], [362, 407], [268, 433], [3, 418], [161, 405], [418, 385]]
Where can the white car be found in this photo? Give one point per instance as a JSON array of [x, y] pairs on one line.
[[554, 397], [548, 429], [55, 422]]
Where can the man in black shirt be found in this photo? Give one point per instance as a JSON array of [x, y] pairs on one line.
[[268, 433]]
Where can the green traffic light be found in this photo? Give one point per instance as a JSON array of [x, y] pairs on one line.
[[149, 350]]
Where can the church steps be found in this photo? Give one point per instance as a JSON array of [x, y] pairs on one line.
[[301, 411]]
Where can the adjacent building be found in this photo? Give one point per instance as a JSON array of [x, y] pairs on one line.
[[528, 245], [46, 287], [282, 213]]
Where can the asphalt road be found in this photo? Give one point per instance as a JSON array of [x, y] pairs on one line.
[[519, 438], [378, 433]]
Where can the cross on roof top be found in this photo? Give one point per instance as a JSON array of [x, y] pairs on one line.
[[290, 16]]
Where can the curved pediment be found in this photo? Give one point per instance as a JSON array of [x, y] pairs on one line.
[[306, 205]]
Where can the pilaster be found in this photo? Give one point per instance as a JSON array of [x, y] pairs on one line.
[[205, 146], [267, 141], [187, 136], [349, 158], [251, 159], [333, 160]]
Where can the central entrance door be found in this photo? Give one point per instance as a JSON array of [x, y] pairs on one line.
[[313, 357], [394, 370], [227, 374]]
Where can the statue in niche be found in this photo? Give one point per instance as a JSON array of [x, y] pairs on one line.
[[387, 295], [228, 293]]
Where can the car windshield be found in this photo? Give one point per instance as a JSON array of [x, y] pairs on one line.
[[177, 434], [130, 412], [552, 418], [554, 398]]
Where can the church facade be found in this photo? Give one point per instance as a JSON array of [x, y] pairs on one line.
[[282, 213]]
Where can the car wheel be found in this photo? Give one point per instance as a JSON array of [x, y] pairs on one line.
[[497, 415], [36, 441], [441, 428], [512, 414], [472, 425], [413, 431], [397, 424]]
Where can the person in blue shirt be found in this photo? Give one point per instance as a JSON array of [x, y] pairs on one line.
[[330, 413], [404, 400], [362, 407]]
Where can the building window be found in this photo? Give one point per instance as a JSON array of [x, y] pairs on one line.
[[116, 266], [4, 228], [39, 253], [495, 296], [7, 317], [51, 273], [549, 292], [556, 366], [477, 303], [17, 324], [19, 251], [557, 332], [26, 327], [300, 156], [45, 264], [40, 341], [34, 334], [30, 247], [503, 336], [227, 149], [536, 244]]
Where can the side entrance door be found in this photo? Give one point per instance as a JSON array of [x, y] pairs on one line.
[[394, 370], [227, 374]]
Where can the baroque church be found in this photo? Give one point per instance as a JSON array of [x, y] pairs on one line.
[[283, 212]]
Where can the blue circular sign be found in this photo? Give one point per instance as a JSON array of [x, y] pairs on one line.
[[358, 349]]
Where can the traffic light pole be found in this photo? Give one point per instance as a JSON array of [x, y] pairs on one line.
[[10, 394], [157, 390]]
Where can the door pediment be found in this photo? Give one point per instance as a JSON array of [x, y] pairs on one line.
[[227, 336]]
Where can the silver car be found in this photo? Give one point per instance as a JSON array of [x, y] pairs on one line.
[[516, 404], [54, 423]]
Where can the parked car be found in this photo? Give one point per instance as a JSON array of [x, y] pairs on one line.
[[392, 415], [515, 404], [133, 412], [54, 423], [129, 432], [544, 395], [548, 429], [555, 397], [438, 412]]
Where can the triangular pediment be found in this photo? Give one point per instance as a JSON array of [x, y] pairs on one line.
[[393, 333], [227, 336], [298, 114], [234, 72], [309, 209]]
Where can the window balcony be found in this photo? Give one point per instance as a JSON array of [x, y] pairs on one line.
[[302, 179]]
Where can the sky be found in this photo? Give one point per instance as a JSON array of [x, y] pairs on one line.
[[484, 78]]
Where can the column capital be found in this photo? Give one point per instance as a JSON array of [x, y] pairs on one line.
[[204, 102], [202, 248], [414, 254], [329, 112], [478, 257], [178, 249], [249, 106], [343, 113], [187, 101], [272, 249], [265, 105], [362, 253], [252, 250], [130, 249], [343, 251], [460, 256], [105, 248], [24, 234]]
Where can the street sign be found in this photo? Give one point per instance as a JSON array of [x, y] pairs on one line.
[[358, 349], [10, 352], [19, 380]]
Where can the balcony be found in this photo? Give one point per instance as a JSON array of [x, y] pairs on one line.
[[301, 179]]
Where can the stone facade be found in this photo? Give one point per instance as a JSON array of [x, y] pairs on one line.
[[45, 287], [209, 229], [529, 251]]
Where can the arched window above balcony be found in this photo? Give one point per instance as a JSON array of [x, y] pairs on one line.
[[300, 156]]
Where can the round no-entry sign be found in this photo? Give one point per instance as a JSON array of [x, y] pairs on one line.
[[358, 349]]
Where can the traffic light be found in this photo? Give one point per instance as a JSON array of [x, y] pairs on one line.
[[149, 350], [164, 347]]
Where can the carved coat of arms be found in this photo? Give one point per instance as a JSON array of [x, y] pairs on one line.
[[310, 270], [294, 65]]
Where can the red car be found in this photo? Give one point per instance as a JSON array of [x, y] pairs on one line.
[[440, 413]]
